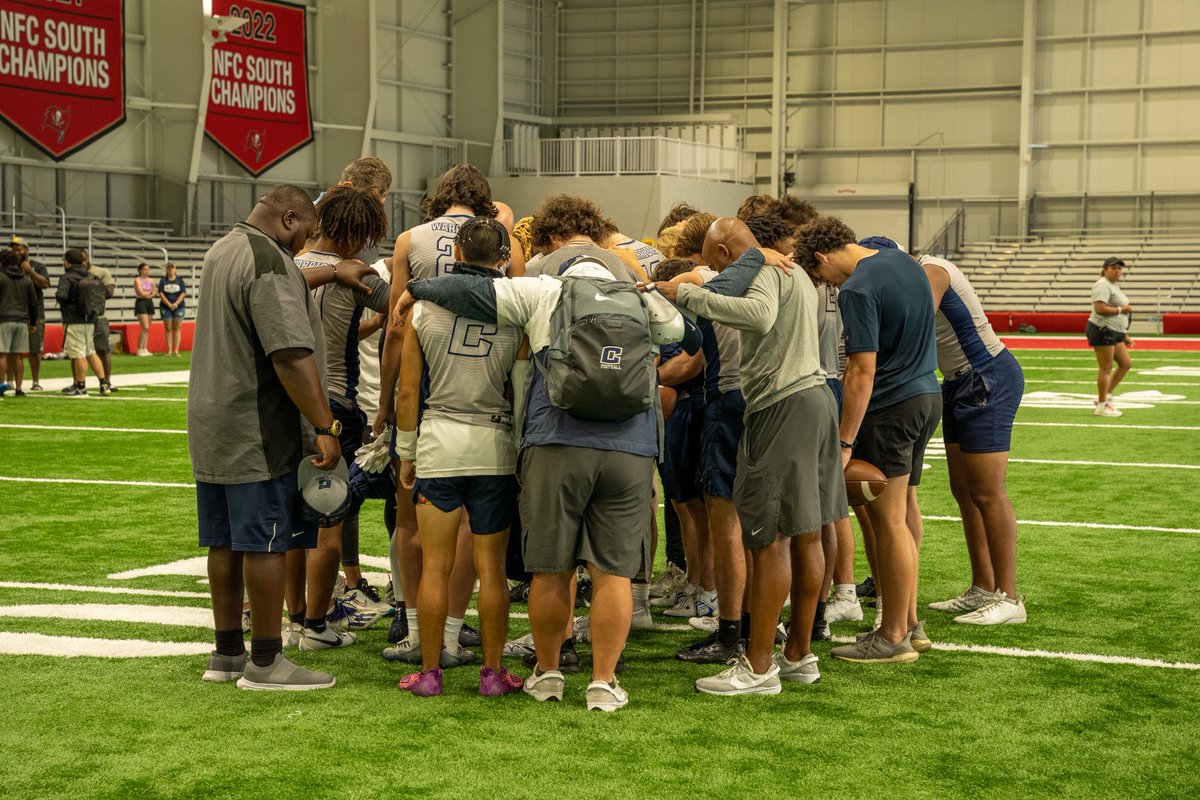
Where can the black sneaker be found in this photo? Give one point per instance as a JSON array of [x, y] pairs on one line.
[[519, 593], [364, 587], [568, 660], [708, 653], [866, 588], [399, 630], [820, 632], [18, 393], [113, 389], [469, 637], [583, 594]]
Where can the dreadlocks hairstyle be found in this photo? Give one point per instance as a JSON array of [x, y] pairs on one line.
[[353, 218], [461, 185], [484, 241], [523, 234], [822, 235], [771, 231], [368, 173], [691, 238], [666, 270], [678, 213], [795, 211], [564, 216], [757, 204]]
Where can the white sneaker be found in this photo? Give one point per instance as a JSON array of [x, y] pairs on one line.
[[364, 612], [741, 679], [330, 637], [843, 607], [673, 599], [1106, 410], [642, 621], [603, 696], [521, 646], [878, 614], [969, 600], [581, 629], [547, 686], [704, 624], [698, 603], [670, 584], [998, 610], [802, 671], [293, 632]]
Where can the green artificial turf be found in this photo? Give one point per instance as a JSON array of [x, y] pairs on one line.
[[954, 724]]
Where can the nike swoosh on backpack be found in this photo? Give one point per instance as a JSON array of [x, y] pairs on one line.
[[599, 296]]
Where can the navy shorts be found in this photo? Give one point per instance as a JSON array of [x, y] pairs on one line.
[[490, 500], [835, 386], [354, 424], [260, 517], [978, 408], [681, 450], [723, 421]]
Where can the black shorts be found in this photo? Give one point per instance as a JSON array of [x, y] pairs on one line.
[[260, 517], [490, 500], [143, 305], [1103, 337], [681, 450], [894, 438], [354, 423], [723, 422]]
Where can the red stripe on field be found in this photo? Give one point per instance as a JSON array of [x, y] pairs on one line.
[[1080, 343]]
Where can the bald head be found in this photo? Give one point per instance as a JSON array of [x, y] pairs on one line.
[[726, 240]]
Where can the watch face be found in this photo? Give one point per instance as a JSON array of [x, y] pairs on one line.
[[336, 428]]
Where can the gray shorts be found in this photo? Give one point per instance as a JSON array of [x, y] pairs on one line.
[[100, 342], [894, 438], [583, 505], [14, 337], [789, 470]]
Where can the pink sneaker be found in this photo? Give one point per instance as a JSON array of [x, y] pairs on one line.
[[497, 684], [423, 684]]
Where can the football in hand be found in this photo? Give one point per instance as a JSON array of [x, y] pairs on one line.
[[864, 482]]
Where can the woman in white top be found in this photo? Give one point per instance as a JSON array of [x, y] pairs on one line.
[[1106, 334]]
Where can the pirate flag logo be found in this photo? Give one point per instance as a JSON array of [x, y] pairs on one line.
[[254, 141], [56, 119]]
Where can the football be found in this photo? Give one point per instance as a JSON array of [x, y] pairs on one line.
[[666, 398], [864, 482]]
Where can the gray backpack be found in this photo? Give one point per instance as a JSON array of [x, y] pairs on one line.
[[600, 363]]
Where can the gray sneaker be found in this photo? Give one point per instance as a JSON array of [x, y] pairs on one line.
[[920, 642], [875, 649], [283, 676], [802, 671], [224, 668], [456, 657], [406, 650]]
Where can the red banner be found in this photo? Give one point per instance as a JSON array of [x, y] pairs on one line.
[[258, 108], [62, 71]]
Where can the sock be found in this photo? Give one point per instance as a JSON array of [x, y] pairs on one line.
[[263, 651], [414, 631], [317, 625], [641, 596], [231, 643], [746, 623], [728, 631], [297, 618], [568, 644], [820, 615], [451, 631], [845, 588]]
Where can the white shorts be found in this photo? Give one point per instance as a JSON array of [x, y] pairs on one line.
[[80, 340]]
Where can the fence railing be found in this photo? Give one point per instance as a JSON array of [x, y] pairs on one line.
[[626, 155]]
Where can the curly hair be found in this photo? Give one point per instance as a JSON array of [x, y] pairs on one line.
[[821, 235], [461, 185], [795, 211], [678, 213], [666, 270], [757, 204], [9, 258], [564, 216], [521, 232], [691, 238], [353, 218], [771, 231]]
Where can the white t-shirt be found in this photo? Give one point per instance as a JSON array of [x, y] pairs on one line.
[[368, 357]]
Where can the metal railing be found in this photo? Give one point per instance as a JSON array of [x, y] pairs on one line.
[[626, 155], [58, 211]]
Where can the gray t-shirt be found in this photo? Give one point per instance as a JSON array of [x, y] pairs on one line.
[[242, 426], [551, 263], [431, 246], [341, 309], [1108, 292]]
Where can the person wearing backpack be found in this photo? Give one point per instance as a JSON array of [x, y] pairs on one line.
[[591, 435], [80, 297]]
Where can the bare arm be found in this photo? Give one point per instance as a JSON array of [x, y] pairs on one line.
[[939, 282], [39, 280], [516, 261], [680, 368], [393, 338], [858, 382], [348, 273], [412, 363], [367, 327], [297, 371]]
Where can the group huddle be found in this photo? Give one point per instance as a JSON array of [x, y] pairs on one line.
[[510, 387]]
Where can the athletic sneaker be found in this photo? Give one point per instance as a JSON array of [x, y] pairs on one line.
[[105, 390], [802, 671], [18, 393], [293, 632], [521, 646], [704, 624], [422, 684], [3, 388], [398, 631], [918, 639], [519, 593], [405, 650], [820, 632], [708, 651], [497, 684], [603, 696], [75, 391], [1106, 410], [741, 679], [225, 668], [875, 649], [545, 686], [781, 632], [363, 611], [642, 621], [866, 588], [583, 593], [389, 596], [469, 637], [568, 660], [670, 584], [324, 640], [698, 604], [581, 629], [971, 599], [843, 607], [998, 610], [457, 656], [283, 676], [245, 620]]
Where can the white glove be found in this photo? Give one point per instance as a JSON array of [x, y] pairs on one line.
[[375, 456]]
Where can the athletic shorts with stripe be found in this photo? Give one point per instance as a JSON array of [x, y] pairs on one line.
[[261, 517]]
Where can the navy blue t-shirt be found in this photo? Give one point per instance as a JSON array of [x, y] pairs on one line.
[[887, 309], [172, 289]]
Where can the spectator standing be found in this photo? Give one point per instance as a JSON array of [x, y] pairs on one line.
[[145, 290], [18, 318], [40, 276], [79, 296], [100, 334], [172, 296]]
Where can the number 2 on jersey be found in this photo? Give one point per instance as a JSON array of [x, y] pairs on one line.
[[444, 265]]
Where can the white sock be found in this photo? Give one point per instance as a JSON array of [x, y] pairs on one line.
[[414, 630], [641, 596], [451, 631], [845, 588]]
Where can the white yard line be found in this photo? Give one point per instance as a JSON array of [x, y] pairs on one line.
[[1139, 381], [187, 616], [1111, 425], [1086, 463], [37, 644], [71, 587], [92, 429], [1106, 526], [130, 379], [96, 393], [98, 482]]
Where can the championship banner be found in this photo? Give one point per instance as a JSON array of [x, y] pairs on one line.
[[258, 108], [62, 71]]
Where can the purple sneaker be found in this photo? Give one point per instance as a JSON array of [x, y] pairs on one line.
[[423, 684], [498, 684]]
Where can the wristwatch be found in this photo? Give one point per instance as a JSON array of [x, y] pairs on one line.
[[333, 430]]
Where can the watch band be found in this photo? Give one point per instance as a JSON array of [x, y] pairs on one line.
[[333, 430], [847, 445]]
